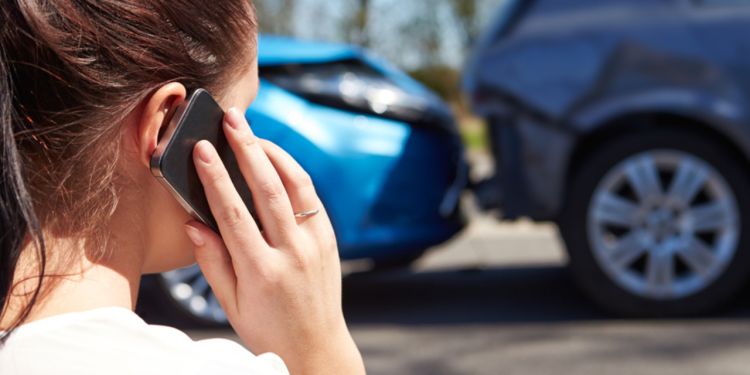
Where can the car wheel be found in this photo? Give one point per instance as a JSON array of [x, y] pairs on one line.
[[656, 223], [183, 297]]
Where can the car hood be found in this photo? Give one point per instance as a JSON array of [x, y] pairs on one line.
[[278, 50]]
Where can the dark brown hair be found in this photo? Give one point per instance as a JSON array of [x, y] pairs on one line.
[[70, 72]]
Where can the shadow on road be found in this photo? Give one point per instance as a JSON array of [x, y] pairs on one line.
[[495, 295], [456, 297]]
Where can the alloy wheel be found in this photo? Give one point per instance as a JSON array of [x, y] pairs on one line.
[[190, 290], [663, 224]]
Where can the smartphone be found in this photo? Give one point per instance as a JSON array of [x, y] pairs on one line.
[[198, 118]]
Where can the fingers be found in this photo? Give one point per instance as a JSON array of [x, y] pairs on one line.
[[299, 186], [215, 262], [238, 229], [301, 190], [269, 196]]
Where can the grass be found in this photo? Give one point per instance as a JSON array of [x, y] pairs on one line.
[[473, 132]]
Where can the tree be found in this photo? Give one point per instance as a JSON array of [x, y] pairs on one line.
[[466, 14], [276, 16], [355, 25], [423, 34]]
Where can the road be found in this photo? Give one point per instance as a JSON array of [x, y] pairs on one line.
[[497, 300]]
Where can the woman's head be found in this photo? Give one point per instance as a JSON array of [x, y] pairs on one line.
[[86, 86]]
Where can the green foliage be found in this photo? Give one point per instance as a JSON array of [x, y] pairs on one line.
[[466, 12], [442, 79], [446, 82], [473, 133]]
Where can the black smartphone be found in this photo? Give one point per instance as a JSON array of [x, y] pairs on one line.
[[198, 118]]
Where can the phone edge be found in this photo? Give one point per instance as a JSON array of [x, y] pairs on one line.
[[158, 156]]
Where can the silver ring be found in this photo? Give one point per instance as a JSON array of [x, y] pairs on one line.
[[305, 214]]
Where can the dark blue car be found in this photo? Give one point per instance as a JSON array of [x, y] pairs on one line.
[[627, 123]]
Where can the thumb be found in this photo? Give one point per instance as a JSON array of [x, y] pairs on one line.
[[215, 262]]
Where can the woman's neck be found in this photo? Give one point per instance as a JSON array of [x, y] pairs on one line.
[[77, 284]]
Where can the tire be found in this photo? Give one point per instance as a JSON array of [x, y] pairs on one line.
[[684, 252], [182, 299]]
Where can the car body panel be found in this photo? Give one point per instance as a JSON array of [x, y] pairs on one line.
[[382, 181]]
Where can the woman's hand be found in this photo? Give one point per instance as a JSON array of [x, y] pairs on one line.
[[280, 288]]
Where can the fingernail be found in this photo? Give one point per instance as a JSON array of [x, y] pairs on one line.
[[236, 119], [195, 235], [231, 119], [203, 148]]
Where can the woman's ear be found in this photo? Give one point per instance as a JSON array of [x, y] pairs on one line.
[[154, 117]]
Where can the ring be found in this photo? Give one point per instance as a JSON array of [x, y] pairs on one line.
[[305, 214]]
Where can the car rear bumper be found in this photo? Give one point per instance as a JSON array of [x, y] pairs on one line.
[[532, 162]]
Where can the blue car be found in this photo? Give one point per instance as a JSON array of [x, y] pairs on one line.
[[384, 153]]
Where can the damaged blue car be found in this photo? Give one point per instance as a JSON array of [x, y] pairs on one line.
[[383, 151]]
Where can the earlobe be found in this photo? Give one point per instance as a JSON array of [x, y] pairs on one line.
[[158, 109]]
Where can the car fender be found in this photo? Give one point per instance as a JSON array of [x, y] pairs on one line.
[[723, 114]]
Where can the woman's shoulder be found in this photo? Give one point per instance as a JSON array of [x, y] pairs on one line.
[[115, 341]]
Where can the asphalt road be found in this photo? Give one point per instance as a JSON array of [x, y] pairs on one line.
[[497, 300]]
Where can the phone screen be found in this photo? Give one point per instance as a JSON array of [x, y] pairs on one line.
[[198, 118]]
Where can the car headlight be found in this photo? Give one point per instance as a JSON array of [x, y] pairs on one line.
[[353, 86]]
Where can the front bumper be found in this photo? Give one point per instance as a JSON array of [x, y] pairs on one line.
[[418, 205], [390, 188]]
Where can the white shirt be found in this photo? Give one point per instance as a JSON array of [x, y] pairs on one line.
[[115, 341]]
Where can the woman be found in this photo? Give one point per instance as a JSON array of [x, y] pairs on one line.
[[86, 88]]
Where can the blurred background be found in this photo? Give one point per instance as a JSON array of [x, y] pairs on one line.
[[517, 187]]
